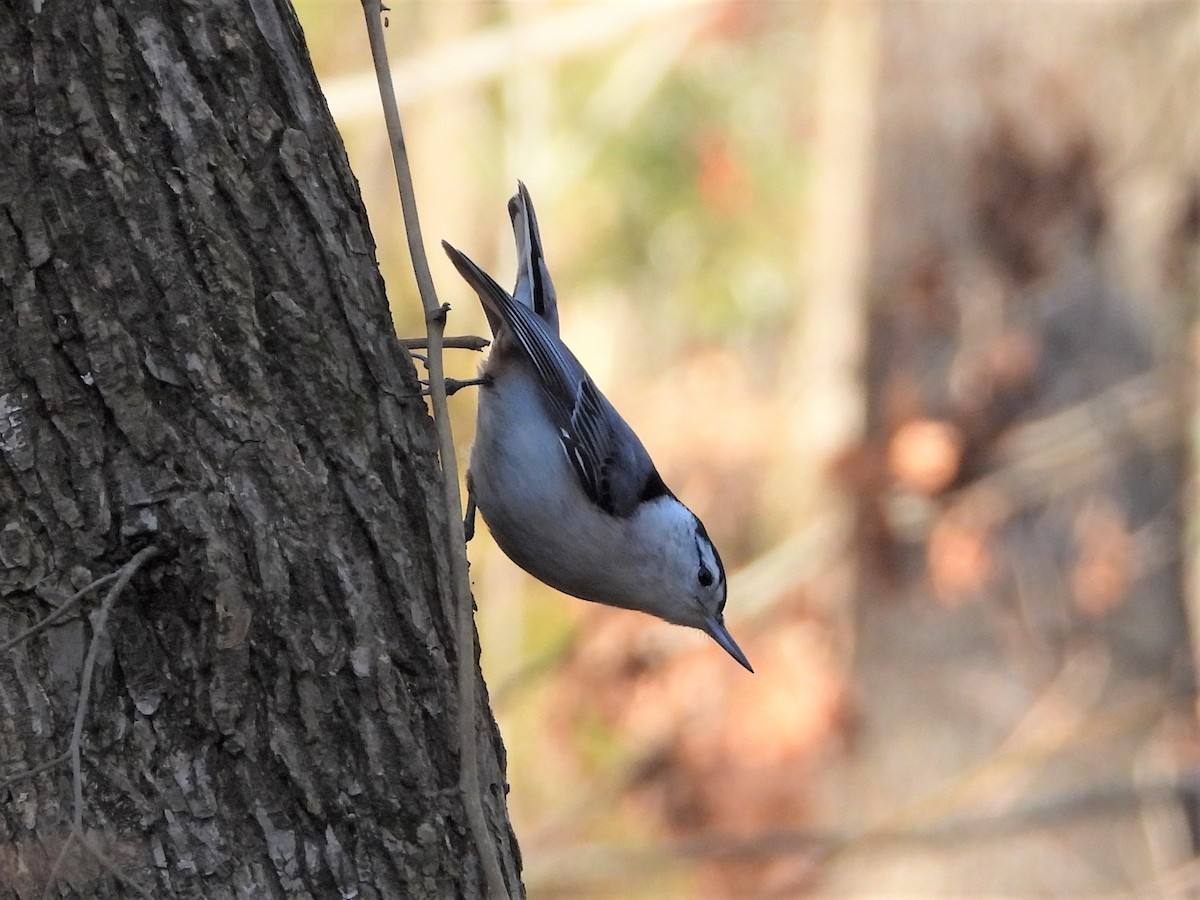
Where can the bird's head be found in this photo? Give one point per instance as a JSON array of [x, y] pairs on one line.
[[688, 584]]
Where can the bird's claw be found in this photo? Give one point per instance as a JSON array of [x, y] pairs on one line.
[[454, 385]]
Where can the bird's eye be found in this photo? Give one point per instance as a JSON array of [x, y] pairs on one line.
[[705, 576]]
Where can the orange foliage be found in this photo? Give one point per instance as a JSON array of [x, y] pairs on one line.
[[925, 454], [1105, 562], [725, 752], [722, 180], [960, 559]]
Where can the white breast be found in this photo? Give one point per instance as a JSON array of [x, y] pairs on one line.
[[537, 512], [529, 495]]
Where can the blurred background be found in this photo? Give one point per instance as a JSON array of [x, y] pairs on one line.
[[902, 298]]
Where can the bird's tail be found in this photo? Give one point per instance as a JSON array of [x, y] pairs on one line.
[[534, 288]]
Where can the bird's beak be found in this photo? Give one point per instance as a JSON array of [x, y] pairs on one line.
[[716, 628]]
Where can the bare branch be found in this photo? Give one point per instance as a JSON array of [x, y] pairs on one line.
[[113, 869], [126, 572], [454, 342], [74, 752], [59, 860], [1048, 457], [435, 325], [574, 870], [61, 610], [36, 770], [970, 826]]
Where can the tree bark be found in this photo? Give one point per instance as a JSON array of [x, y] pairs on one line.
[[196, 354]]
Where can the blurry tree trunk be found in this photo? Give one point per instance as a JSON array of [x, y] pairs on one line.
[[195, 353], [1024, 640], [824, 390]]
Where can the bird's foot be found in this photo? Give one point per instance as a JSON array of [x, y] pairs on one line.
[[454, 385]]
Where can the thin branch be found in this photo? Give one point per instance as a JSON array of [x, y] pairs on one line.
[[577, 868], [1048, 457], [454, 342], [126, 572], [123, 576], [435, 325], [111, 866], [52, 878], [36, 770], [59, 611], [1088, 804]]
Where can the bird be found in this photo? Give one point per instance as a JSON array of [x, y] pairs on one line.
[[566, 488]]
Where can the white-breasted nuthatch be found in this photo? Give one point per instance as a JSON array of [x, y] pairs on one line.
[[565, 486]]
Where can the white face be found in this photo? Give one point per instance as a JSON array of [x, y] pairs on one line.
[[681, 578]]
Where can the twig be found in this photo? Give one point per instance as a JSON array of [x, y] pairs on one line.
[[89, 666], [100, 856], [52, 878], [1089, 803], [36, 770], [617, 860], [113, 869], [1048, 457], [123, 575], [454, 342], [61, 610], [435, 325]]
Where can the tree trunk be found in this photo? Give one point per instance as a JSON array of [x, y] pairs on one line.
[[196, 354]]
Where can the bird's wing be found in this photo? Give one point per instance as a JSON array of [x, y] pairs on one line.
[[534, 289], [612, 465]]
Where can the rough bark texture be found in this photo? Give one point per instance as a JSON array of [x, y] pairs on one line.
[[195, 351]]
